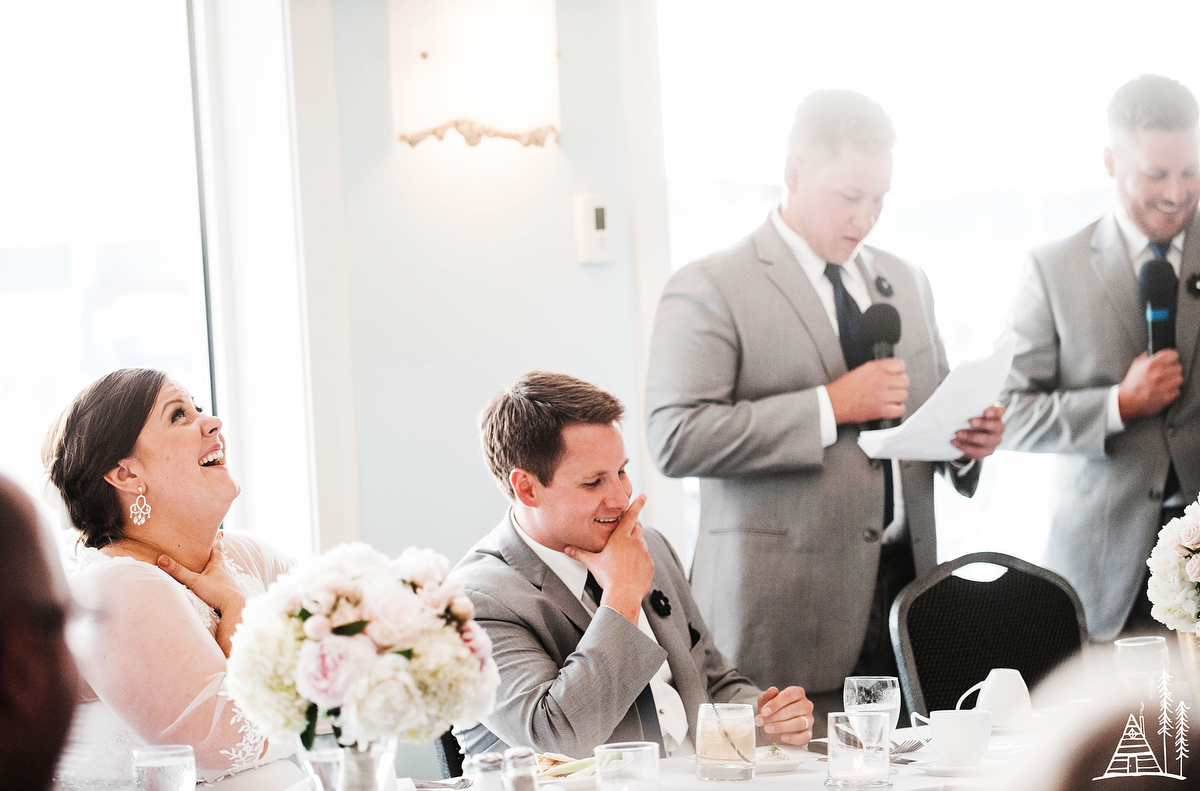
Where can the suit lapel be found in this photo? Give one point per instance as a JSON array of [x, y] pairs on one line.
[[1187, 312], [521, 558], [785, 272], [1110, 262], [667, 631]]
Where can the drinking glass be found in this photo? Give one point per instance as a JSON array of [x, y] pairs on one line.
[[166, 767], [1141, 661], [627, 766], [858, 749], [873, 693], [725, 741], [323, 765]]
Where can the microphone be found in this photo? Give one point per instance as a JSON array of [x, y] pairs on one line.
[[881, 331], [1157, 288]]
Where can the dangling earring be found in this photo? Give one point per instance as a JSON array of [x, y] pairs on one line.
[[139, 512]]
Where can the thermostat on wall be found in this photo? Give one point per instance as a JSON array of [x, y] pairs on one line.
[[591, 229]]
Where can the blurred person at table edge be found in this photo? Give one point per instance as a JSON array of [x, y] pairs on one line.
[[37, 675], [1125, 423], [142, 474], [595, 632], [759, 383]]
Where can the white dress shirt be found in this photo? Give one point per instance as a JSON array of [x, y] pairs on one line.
[[856, 286], [672, 717], [1137, 244]]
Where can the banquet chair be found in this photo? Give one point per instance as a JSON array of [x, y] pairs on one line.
[[949, 632], [449, 755]]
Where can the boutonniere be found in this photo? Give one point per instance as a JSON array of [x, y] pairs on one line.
[[884, 287], [660, 603], [1193, 286]]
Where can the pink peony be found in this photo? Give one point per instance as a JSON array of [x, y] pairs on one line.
[[328, 671], [1189, 537], [1193, 568], [396, 616], [422, 566], [317, 627], [476, 638], [344, 614]]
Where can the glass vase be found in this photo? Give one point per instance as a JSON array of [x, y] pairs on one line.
[[354, 768], [1189, 650]]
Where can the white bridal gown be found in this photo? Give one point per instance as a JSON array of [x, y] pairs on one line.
[[155, 675]]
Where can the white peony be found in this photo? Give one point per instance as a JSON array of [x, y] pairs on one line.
[[1175, 598], [421, 566], [390, 704], [261, 671], [396, 616]]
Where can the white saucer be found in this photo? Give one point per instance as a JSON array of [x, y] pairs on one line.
[[1035, 721], [781, 767], [939, 770]]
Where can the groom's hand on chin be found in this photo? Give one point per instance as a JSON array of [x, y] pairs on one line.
[[624, 568]]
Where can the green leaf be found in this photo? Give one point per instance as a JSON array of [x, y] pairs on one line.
[[406, 653], [304, 614], [350, 629], [310, 732]]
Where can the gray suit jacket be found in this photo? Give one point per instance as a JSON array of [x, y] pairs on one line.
[[1079, 326], [568, 680], [789, 531]]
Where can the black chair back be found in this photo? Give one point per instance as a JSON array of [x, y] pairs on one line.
[[948, 632], [449, 755]]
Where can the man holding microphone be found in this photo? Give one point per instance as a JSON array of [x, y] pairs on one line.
[[761, 377], [1092, 380]]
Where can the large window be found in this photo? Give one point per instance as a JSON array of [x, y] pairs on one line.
[[999, 109], [100, 242]]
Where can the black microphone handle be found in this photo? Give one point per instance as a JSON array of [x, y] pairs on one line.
[[882, 350]]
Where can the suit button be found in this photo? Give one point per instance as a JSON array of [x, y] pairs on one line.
[[1156, 495], [876, 464], [870, 535]]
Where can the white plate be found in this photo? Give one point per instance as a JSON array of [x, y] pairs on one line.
[[570, 783], [938, 770], [780, 767]]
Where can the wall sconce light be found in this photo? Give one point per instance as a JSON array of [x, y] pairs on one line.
[[483, 68]]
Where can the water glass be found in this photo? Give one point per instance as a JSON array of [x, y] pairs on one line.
[[873, 693], [1141, 661], [725, 741], [858, 749], [627, 766], [323, 765], [166, 767]]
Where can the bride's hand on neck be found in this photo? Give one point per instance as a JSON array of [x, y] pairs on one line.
[[215, 586]]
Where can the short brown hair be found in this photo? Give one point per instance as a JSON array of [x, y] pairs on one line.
[[829, 117], [97, 429], [522, 427], [1152, 102]]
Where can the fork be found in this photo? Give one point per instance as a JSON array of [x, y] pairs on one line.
[[457, 785], [907, 746]]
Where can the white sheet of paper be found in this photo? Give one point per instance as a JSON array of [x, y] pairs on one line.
[[969, 389]]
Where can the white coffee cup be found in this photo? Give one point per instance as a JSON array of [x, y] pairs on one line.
[[1005, 695], [960, 737]]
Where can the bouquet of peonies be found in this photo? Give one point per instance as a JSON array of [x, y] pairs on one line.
[[382, 647], [1175, 572]]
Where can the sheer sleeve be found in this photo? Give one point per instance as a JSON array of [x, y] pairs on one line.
[[153, 659], [256, 557]]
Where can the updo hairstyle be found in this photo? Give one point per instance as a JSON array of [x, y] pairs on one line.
[[98, 429]]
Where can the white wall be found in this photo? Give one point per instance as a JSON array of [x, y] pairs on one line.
[[462, 271]]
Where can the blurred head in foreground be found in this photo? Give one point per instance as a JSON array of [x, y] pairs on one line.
[[1154, 154], [37, 674]]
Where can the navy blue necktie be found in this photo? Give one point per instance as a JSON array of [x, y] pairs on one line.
[[855, 351], [1171, 487], [647, 713]]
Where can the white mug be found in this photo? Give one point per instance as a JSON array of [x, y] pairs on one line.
[[1005, 695], [960, 737]]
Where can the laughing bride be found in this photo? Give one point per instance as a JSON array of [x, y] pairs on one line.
[[142, 474]]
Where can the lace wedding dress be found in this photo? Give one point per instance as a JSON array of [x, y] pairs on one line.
[[154, 674]]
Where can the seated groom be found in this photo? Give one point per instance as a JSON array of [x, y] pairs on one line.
[[595, 632]]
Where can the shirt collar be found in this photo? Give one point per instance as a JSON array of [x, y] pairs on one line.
[[812, 264], [572, 573], [1135, 240]]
